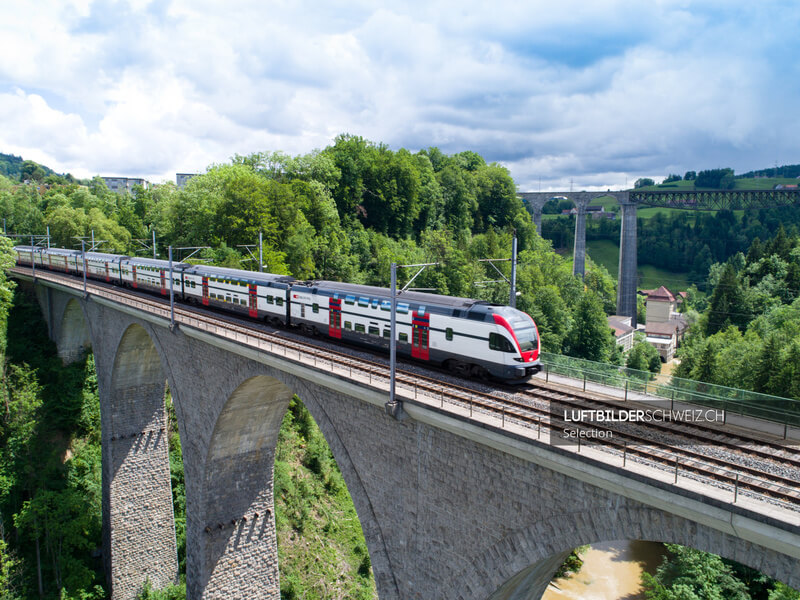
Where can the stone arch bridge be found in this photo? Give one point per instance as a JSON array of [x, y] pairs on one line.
[[450, 507]]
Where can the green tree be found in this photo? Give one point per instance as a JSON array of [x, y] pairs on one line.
[[643, 182], [644, 357], [782, 591], [590, 336], [688, 574], [728, 304]]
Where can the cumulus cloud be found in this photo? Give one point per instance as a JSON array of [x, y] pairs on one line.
[[593, 94]]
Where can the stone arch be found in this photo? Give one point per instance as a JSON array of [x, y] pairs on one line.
[[241, 554], [137, 493], [522, 563], [73, 333]]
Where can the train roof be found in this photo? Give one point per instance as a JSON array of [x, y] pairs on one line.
[[421, 298], [105, 256], [254, 276], [156, 262], [64, 251]]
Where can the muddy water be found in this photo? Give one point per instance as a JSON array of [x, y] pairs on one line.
[[610, 571]]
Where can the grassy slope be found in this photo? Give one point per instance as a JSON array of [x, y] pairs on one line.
[[321, 549], [606, 253]]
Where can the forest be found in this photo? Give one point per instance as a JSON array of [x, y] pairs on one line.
[[343, 213]]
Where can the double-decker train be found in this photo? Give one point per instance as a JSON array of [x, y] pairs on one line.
[[469, 337]]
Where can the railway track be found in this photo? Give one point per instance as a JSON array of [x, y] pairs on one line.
[[532, 406]]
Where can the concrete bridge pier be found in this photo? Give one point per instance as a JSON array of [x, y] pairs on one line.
[[626, 284], [579, 254]]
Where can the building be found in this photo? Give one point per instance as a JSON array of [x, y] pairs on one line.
[[181, 179], [623, 331], [124, 185], [664, 337], [664, 326], [599, 212]]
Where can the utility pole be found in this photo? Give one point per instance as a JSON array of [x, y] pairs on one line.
[[33, 260], [393, 406], [171, 294], [260, 252], [154, 244], [512, 300], [83, 260], [393, 344]]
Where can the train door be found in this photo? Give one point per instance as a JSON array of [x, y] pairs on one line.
[[253, 300], [205, 291], [108, 275], [134, 283], [420, 331], [163, 278], [335, 318]]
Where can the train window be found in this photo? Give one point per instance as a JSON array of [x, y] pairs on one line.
[[348, 325], [363, 301], [278, 300], [448, 334], [270, 299], [374, 330], [315, 308], [386, 305], [374, 303], [350, 300], [402, 308], [387, 333], [498, 342], [360, 328]]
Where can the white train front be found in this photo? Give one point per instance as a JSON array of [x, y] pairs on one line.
[[470, 337]]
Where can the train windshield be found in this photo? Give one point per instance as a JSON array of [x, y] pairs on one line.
[[527, 338]]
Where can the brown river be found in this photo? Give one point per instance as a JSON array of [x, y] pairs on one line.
[[610, 571]]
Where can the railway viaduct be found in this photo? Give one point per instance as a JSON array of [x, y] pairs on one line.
[[628, 203], [451, 507]]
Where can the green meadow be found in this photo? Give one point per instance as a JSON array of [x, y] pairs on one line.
[[606, 253]]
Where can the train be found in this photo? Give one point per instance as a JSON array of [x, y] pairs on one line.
[[469, 337]]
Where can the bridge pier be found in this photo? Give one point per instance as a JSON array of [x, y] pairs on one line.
[[138, 522], [532, 581], [626, 283], [537, 204], [579, 253]]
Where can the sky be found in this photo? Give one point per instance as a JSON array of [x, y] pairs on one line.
[[567, 94]]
